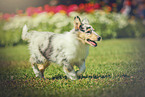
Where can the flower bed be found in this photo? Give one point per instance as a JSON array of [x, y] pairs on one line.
[[60, 19]]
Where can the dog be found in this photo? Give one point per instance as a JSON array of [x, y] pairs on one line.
[[68, 49]]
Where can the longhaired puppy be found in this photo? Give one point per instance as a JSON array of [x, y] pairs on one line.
[[66, 49]]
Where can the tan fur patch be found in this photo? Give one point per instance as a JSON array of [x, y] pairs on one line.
[[42, 67], [84, 36], [77, 23]]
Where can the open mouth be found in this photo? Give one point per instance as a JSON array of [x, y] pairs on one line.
[[92, 43]]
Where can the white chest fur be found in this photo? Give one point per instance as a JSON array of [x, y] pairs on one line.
[[72, 48]]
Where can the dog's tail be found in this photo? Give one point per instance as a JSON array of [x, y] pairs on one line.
[[25, 34]]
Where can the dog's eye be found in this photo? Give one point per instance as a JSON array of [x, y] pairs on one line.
[[88, 28], [89, 32], [82, 29]]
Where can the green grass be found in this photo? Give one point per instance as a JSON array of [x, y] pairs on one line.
[[116, 68]]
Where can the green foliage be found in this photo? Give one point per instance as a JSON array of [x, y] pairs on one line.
[[114, 69], [9, 37], [107, 25], [135, 30]]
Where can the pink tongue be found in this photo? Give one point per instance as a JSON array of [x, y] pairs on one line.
[[93, 43]]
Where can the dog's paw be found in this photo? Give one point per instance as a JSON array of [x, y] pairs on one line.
[[78, 73], [74, 78]]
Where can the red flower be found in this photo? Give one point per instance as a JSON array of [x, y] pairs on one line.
[[30, 11], [114, 5], [6, 16], [89, 7], [19, 11], [97, 6], [81, 7], [108, 8], [60, 8], [72, 7], [38, 10], [89, 10], [47, 8], [12, 15]]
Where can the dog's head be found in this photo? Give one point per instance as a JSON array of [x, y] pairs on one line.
[[86, 32]]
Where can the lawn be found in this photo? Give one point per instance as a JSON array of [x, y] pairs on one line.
[[116, 68]]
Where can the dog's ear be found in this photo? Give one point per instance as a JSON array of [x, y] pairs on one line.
[[85, 21], [77, 22]]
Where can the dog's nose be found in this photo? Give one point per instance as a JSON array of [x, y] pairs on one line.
[[99, 38]]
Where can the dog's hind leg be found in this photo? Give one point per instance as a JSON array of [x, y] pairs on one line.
[[36, 70], [42, 67], [39, 69], [35, 66], [70, 72]]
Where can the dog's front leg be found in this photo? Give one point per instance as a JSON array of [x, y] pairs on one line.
[[70, 72], [82, 69]]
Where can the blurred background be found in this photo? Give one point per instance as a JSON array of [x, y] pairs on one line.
[[110, 18]]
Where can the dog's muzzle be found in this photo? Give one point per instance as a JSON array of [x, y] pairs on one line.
[[92, 42]]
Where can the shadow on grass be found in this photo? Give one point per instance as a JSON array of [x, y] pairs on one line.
[[58, 77], [102, 76], [88, 76]]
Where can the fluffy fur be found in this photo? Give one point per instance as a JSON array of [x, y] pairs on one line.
[[67, 50]]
